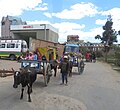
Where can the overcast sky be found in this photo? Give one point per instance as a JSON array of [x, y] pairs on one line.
[[80, 17]]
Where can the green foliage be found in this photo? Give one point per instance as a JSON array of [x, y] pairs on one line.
[[99, 54], [117, 55], [83, 50], [109, 36]]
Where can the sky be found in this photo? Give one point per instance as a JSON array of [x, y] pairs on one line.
[[71, 17]]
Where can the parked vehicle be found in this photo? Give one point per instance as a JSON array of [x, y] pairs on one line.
[[12, 48]]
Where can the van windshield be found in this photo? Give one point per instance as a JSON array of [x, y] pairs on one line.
[[69, 49]]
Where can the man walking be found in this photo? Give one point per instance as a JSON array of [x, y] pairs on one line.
[[64, 66]]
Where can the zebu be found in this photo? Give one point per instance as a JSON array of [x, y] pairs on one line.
[[25, 77]]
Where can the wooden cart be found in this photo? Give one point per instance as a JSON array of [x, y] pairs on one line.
[[41, 67]]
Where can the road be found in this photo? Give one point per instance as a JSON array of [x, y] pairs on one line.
[[98, 88]]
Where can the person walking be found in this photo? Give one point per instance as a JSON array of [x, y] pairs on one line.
[[64, 66], [93, 57]]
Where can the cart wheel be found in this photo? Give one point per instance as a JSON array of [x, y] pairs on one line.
[[79, 69], [47, 74]]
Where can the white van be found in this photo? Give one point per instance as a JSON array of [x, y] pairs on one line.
[[12, 48]]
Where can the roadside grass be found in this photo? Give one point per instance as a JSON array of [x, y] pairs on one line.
[[112, 61]]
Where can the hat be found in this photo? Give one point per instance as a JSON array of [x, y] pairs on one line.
[[66, 57]]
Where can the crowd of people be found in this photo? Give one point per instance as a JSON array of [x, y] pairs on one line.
[[90, 57], [64, 62], [36, 55], [28, 56]]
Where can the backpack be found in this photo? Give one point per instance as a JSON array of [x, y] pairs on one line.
[[64, 67]]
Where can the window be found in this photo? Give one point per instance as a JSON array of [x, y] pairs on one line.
[[3, 23], [67, 49], [71, 49], [2, 45], [17, 45], [11, 45], [23, 46]]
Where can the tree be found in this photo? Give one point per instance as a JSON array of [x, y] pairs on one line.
[[109, 36]]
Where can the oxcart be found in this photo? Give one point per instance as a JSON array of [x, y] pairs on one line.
[[41, 67], [75, 57]]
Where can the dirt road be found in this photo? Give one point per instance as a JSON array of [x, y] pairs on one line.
[[98, 88]]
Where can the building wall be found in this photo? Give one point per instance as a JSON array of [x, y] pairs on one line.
[[50, 33], [53, 36], [40, 43], [6, 23], [60, 50], [41, 34], [35, 43], [5, 28]]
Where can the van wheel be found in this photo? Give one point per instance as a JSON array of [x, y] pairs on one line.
[[12, 57]]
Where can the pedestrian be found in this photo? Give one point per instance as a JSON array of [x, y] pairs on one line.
[[64, 66], [88, 57], [35, 57], [93, 57], [21, 57], [61, 59], [27, 55], [30, 57]]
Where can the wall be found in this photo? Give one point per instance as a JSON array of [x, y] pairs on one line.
[[35, 43], [5, 29]]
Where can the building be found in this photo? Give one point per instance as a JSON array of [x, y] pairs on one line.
[[92, 46], [7, 22], [36, 31], [13, 27], [72, 38]]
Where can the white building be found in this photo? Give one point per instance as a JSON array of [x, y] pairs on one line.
[[36, 31], [13, 27]]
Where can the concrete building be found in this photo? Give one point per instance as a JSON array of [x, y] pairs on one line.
[[13, 27], [36, 31], [7, 22]]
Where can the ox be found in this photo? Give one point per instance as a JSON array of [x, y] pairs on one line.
[[25, 77]]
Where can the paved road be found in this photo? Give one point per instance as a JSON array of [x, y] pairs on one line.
[[98, 88]]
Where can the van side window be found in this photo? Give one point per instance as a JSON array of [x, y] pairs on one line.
[[23, 46], [2, 45], [11, 45]]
